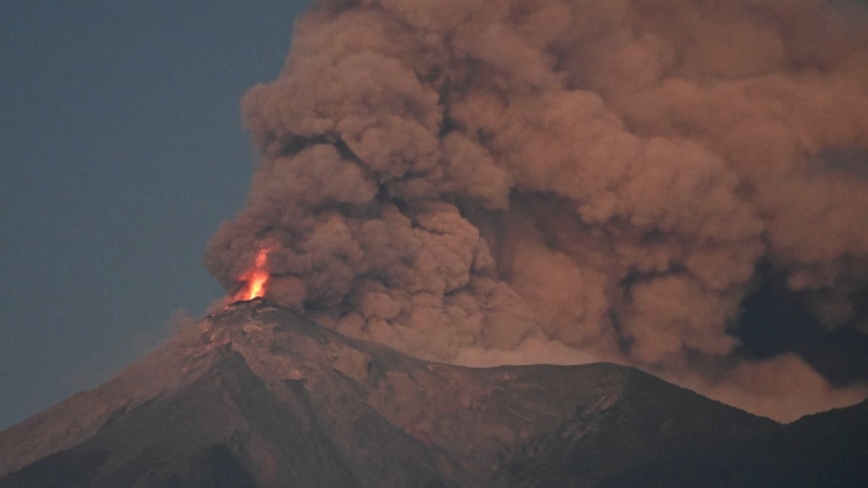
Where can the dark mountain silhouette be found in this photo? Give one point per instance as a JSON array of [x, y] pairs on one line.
[[260, 396], [823, 450]]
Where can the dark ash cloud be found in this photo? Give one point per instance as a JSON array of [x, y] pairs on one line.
[[553, 180]]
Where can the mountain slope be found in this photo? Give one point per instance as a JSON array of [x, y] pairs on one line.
[[261, 396], [822, 450]]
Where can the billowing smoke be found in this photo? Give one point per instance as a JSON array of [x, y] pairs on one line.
[[551, 180]]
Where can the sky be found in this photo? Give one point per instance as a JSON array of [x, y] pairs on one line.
[[121, 150]]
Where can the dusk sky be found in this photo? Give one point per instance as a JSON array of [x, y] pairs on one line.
[[122, 150]]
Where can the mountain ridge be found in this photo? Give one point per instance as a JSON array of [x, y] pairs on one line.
[[263, 396]]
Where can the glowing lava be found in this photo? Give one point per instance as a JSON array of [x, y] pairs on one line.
[[255, 278]]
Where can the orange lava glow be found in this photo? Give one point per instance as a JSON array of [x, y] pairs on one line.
[[256, 279]]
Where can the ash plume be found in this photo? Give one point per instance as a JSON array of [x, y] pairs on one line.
[[559, 180]]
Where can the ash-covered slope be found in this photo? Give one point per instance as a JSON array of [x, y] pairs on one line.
[[260, 396], [823, 450]]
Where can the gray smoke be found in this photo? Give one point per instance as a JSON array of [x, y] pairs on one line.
[[484, 181]]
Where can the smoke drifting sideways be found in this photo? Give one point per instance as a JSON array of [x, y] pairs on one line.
[[519, 181]]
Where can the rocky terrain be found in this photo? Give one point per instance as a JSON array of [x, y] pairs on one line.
[[260, 396]]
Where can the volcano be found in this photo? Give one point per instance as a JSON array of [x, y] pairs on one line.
[[261, 396]]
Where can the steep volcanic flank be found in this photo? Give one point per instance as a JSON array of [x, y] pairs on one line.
[[260, 396]]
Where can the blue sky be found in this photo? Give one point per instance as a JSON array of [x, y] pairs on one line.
[[122, 150]]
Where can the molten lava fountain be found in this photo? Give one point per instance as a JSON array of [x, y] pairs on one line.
[[255, 279]]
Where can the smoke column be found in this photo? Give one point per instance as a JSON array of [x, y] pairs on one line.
[[489, 181]]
